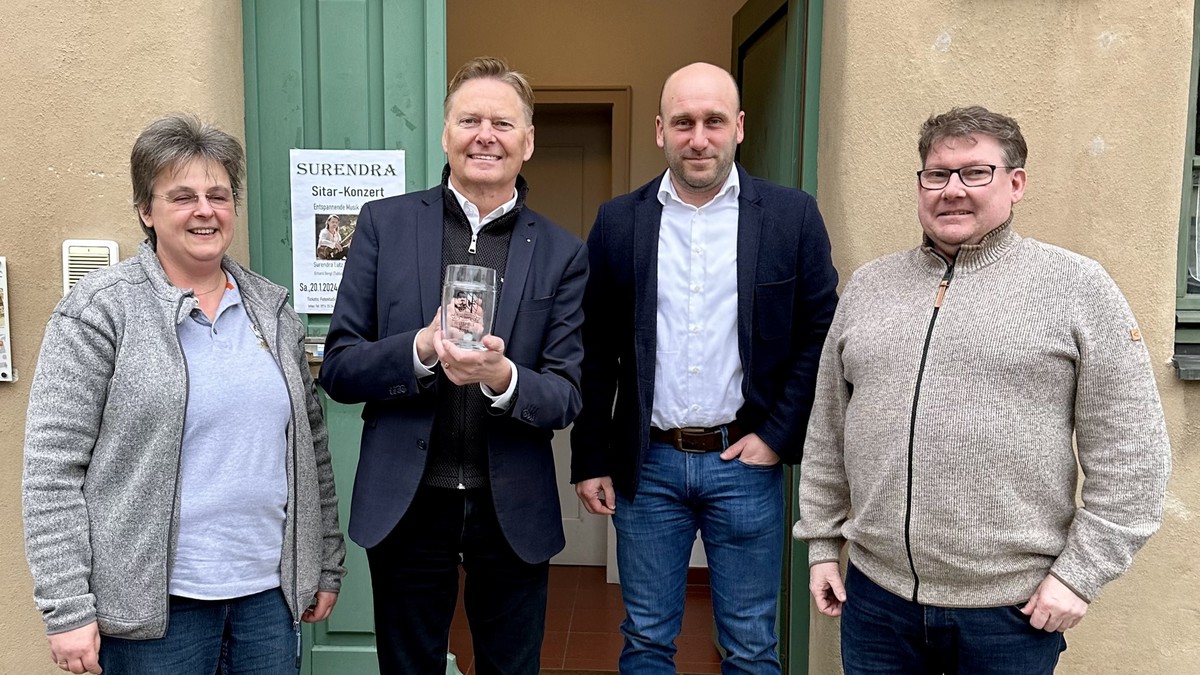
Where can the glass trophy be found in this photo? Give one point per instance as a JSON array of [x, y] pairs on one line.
[[468, 304]]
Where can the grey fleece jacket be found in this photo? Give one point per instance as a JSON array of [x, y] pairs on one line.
[[940, 445], [102, 451]]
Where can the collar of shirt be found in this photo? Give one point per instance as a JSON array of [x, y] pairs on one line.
[[666, 190], [472, 211], [231, 297]]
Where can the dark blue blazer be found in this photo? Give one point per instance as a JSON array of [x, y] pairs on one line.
[[787, 292], [390, 289]]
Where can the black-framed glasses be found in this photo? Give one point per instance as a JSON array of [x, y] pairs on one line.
[[976, 175]]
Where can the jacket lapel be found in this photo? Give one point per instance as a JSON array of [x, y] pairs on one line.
[[516, 269], [429, 253], [646, 222], [748, 237]]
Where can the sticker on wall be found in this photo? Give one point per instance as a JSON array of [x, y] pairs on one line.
[[7, 374], [329, 188]]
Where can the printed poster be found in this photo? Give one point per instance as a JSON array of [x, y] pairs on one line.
[[329, 188], [6, 362]]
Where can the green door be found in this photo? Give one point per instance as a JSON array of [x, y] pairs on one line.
[[337, 74], [776, 60]]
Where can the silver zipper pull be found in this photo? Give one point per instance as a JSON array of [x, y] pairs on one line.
[[474, 238]]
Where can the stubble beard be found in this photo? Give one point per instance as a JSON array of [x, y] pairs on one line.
[[719, 175]]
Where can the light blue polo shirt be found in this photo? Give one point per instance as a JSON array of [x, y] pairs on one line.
[[233, 477]]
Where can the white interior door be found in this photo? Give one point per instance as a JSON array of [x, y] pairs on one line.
[[586, 534]]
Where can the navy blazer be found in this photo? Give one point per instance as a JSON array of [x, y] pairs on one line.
[[787, 293], [390, 289]]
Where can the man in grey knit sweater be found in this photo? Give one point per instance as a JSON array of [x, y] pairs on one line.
[[954, 379]]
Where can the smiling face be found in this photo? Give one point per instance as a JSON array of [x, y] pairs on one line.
[[487, 139], [191, 212], [699, 127], [957, 215]]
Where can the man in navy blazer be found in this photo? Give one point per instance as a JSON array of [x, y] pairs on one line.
[[709, 297], [456, 461]]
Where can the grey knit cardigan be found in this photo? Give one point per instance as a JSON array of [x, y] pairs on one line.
[[102, 451], [955, 484]]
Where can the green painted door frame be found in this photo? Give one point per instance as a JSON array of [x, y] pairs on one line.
[[776, 59], [337, 74]]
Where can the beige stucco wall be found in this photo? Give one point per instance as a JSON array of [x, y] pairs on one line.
[[1100, 89], [1099, 86], [630, 43], [79, 81]]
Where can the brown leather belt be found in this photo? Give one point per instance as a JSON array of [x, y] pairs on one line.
[[699, 439]]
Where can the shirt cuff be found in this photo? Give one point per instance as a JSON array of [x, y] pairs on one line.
[[501, 401], [422, 370]]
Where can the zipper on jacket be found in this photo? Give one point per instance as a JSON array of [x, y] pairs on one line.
[[294, 487], [912, 425], [178, 471], [462, 451], [474, 240]]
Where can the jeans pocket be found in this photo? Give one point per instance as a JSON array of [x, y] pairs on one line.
[[756, 467]]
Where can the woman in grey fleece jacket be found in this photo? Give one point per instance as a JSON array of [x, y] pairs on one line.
[[178, 494]]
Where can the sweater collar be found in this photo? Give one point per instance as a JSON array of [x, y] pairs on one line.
[[971, 257], [451, 196], [252, 286]]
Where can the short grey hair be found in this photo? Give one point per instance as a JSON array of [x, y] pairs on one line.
[[169, 143], [967, 121]]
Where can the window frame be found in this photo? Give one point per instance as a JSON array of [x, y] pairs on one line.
[[1187, 305]]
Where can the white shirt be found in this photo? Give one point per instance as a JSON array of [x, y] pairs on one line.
[[423, 370], [697, 372], [472, 211]]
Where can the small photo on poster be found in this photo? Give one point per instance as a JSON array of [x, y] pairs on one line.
[[335, 233]]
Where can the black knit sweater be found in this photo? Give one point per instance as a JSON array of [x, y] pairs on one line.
[[458, 448]]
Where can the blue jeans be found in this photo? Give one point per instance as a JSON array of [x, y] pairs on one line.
[[738, 510], [885, 633], [251, 635]]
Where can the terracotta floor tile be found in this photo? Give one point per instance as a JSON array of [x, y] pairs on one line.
[[593, 575], [597, 619], [558, 618], [460, 646], [591, 597], [697, 576], [697, 649], [561, 597], [697, 620], [554, 648], [698, 668], [564, 576], [593, 650], [460, 617], [583, 615]]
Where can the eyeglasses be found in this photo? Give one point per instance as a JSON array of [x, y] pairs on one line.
[[219, 200], [976, 175]]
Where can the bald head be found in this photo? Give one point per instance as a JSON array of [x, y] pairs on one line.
[[699, 126], [700, 78]]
